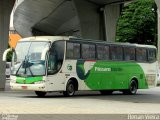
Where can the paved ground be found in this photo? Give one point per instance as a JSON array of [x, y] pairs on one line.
[[146, 101], [22, 102]]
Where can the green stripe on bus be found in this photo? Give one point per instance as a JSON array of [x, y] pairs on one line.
[[28, 80], [112, 75]]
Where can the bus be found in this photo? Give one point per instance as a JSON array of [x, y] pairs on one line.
[[68, 64]]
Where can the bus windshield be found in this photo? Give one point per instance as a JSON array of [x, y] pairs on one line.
[[26, 59]]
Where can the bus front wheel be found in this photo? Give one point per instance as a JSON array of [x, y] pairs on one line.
[[70, 89], [132, 88], [40, 93]]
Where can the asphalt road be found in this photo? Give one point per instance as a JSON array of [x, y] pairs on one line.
[[84, 102]]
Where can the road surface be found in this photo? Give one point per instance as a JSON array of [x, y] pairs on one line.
[[86, 102]]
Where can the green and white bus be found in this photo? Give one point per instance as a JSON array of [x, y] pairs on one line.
[[68, 64]]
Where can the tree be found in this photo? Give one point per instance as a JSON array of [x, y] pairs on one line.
[[138, 23], [9, 55]]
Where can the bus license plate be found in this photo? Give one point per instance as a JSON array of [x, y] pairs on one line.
[[24, 87]]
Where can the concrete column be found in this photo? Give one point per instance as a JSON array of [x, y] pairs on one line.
[[89, 19], [5, 10], [158, 42], [96, 21], [111, 13]]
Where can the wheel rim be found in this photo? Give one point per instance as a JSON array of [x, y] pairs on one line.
[[133, 88], [71, 89]]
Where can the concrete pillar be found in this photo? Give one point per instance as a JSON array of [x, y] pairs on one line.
[[158, 42], [111, 15], [89, 19], [5, 10], [97, 21]]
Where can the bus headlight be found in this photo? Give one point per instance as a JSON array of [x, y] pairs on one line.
[[39, 82]]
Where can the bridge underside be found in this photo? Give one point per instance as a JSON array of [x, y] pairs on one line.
[[94, 19]]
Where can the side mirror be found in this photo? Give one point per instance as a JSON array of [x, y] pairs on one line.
[[5, 54], [43, 55]]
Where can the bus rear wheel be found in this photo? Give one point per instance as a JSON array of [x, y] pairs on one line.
[[132, 88], [106, 92], [40, 93], [70, 89]]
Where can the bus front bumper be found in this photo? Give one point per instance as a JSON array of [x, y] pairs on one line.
[[33, 87]]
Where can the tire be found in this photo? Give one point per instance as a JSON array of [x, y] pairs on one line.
[[70, 89], [132, 88], [106, 92], [40, 93]]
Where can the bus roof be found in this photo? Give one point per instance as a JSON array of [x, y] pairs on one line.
[[72, 38], [112, 43], [45, 38]]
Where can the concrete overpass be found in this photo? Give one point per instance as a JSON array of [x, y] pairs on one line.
[[83, 18]]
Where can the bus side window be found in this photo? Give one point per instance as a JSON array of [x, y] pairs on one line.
[[116, 53], [52, 63], [129, 53], [88, 51], [69, 50], [73, 50], [141, 54], [56, 57], [151, 55], [103, 52]]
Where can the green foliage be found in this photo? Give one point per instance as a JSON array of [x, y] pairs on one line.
[[9, 55], [138, 23]]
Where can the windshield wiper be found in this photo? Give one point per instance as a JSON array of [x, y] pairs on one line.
[[21, 65], [19, 68], [28, 65], [25, 64]]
